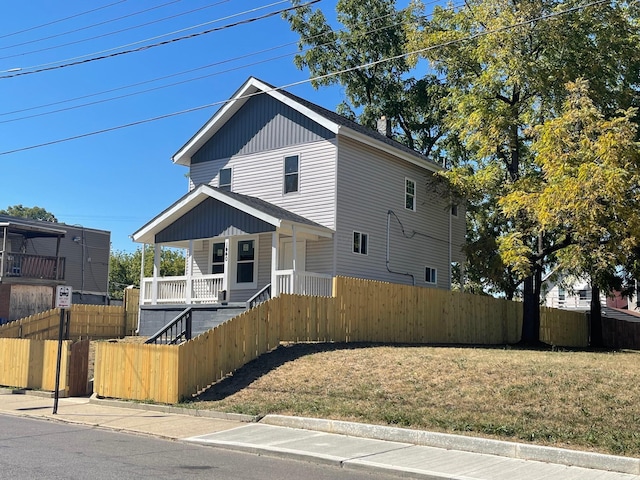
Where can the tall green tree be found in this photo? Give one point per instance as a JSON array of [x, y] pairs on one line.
[[588, 192], [124, 267], [365, 56], [32, 213], [506, 65]]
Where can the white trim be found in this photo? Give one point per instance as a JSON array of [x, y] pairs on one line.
[[199, 195], [233, 262], [435, 271], [284, 175], [415, 194], [360, 243], [254, 86], [230, 184]]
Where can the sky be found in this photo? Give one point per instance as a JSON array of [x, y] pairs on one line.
[[120, 179]]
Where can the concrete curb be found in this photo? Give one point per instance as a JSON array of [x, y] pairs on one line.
[[237, 417], [458, 442]]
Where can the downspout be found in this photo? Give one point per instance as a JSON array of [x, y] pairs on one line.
[[413, 279]]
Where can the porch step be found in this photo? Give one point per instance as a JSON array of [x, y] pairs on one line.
[[154, 318]]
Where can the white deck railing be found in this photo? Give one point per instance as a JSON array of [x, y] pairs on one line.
[[303, 283], [204, 289]]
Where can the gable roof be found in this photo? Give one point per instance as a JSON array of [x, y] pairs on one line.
[[335, 123], [264, 212]]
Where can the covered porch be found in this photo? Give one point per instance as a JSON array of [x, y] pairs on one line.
[[239, 250], [17, 266]]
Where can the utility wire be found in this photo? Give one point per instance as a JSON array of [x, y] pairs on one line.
[[61, 19], [108, 34], [75, 60], [188, 71], [86, 27], [301, 82]]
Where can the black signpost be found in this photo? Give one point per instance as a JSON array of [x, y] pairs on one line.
[[63, 301]]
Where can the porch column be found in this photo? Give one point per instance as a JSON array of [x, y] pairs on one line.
[[189, 268], [226, 272], [294, 275], [274, 264], [4, 251], [156, 272]]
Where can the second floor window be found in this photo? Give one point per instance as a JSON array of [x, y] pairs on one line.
[[291, 173], [410, 194], [224, 179]]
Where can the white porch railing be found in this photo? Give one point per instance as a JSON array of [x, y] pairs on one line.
[[303, 283], [204, 289]]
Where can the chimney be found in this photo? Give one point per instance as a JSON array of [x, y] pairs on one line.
[[384, 126]]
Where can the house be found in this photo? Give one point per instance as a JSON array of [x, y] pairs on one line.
[[36, 256], [284, 195]]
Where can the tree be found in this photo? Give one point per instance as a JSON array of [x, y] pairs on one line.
[[32, 213], [366, 57], [588, 192], [505, 65], [124, 267]]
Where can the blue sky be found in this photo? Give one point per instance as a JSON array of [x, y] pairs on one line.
[[119, 180]]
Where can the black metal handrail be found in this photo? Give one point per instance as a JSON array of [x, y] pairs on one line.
[[262, 296], [176, 331]]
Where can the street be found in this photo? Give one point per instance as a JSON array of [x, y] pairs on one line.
[[39, 449]]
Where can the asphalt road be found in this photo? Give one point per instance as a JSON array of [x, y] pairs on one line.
[[39, 449]]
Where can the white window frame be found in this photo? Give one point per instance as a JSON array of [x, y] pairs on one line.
[[233, 263], [454, 210], [285, 175], [220, 185], [358, 251], [428, 280], [408, 195]]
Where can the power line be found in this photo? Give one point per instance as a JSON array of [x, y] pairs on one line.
[[185, 72], [301, 82], [108, 34], [75, 60], [86, 27], [61, 19]]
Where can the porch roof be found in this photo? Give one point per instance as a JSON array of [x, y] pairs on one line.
[[30, 229], [207, 212]]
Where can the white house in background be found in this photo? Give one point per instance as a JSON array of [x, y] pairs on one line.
[[284, 195]]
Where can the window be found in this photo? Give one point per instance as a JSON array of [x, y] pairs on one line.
[[454, 210], [582, 294], [410, 194], [217, 258], [246, 261], [224, 179], [430, 275], [360, 243], [291, 173]]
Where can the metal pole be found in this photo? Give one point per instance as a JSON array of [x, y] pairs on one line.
[[56, 392]]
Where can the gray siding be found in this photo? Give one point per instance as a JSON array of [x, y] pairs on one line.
[[86, 260], [262, 124], [319, 256], [262, 175], [212, 218], [370, 184]]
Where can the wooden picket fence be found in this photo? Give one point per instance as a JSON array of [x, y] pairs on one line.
[[359, 311], [85, 321]]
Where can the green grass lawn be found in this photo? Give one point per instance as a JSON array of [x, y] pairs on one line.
[[570, 399]]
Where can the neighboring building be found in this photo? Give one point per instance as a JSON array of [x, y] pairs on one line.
[[284, 195], [37, 256]]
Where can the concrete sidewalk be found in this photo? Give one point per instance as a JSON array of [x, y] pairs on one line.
[[403, 452]]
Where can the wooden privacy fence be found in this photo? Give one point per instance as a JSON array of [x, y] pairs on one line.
[[563, 327], [359, 311], [32, 363], [85, 321]]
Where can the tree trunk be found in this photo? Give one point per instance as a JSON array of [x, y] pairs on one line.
[[530, 313], [596, 319]]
